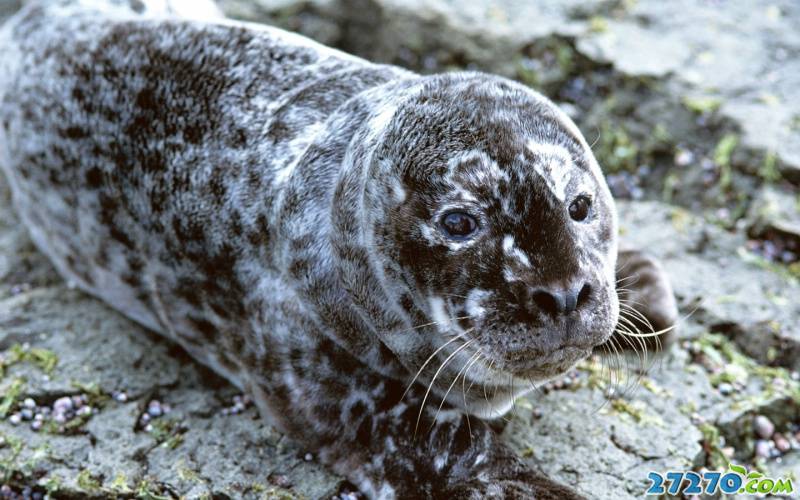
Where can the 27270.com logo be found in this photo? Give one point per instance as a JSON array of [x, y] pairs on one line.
[[737, 480]]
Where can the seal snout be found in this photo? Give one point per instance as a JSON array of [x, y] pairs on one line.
[[557, 302]]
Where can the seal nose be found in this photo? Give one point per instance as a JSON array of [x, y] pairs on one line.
[[557, 302]]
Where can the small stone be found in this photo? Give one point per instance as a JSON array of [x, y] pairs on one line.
[[280, 480], [36, 425], [763, 426], [26, 414], [84, 410], [62, 405], [29, 403], [725, 389], [154, 409], [120, 397], [782, 444], [308, 457], [684, 157], [697, 419], [762, 448], [15, 419], [60, 418], [77, 401]]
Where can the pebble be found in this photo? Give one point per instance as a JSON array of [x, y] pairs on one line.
[[697, 419], [120, 397], [280, 480], [62, 405], [308, 457], [782, 444], [763, 426], [762, 448], [684, 157], [240, 404], [154, 409], [15, 419], [725, 388], [29, 403], [26, 414]]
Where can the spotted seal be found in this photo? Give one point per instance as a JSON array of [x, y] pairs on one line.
[[345, 241]]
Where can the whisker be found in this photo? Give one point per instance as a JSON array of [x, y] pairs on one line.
[[430, 385], [426, 364], [431, 324], [451, 387]]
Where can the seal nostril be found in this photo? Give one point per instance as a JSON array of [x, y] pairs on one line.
[[584, 294], [546, 302]]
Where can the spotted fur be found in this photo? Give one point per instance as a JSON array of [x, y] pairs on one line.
[[272, 205]]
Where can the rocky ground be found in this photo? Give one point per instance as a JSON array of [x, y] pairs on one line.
[[692, 107]]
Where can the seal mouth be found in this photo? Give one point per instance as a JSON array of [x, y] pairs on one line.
[[547, 365]]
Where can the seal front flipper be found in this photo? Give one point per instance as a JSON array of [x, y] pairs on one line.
[[647, 303]]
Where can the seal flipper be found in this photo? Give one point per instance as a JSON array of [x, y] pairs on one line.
[[647, 302]]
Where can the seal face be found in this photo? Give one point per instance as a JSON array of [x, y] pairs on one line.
[[343, 240], [482, 234]]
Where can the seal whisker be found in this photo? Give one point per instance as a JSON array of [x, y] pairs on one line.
[[444, 398], [426, 364], [440, 322], [435, 375], [477, 356]]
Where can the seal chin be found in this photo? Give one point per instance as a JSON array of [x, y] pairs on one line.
[[537, 367]]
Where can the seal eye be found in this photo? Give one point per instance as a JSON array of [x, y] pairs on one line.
[[458, 225], [579, 208]]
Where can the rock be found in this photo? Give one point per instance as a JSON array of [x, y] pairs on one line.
[[762, 448], [774, 215], [763, 427], [727, 288], [782, 444]]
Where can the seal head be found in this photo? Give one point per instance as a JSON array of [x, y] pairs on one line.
[[493, 225]]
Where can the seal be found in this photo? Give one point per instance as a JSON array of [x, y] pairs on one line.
[[348, 242]]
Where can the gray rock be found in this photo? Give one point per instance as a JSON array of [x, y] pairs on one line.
[[775, 211]]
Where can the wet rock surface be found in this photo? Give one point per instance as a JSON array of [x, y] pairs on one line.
[[689, 106]]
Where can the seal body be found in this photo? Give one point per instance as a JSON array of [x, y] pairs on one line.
[[343, 240]]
